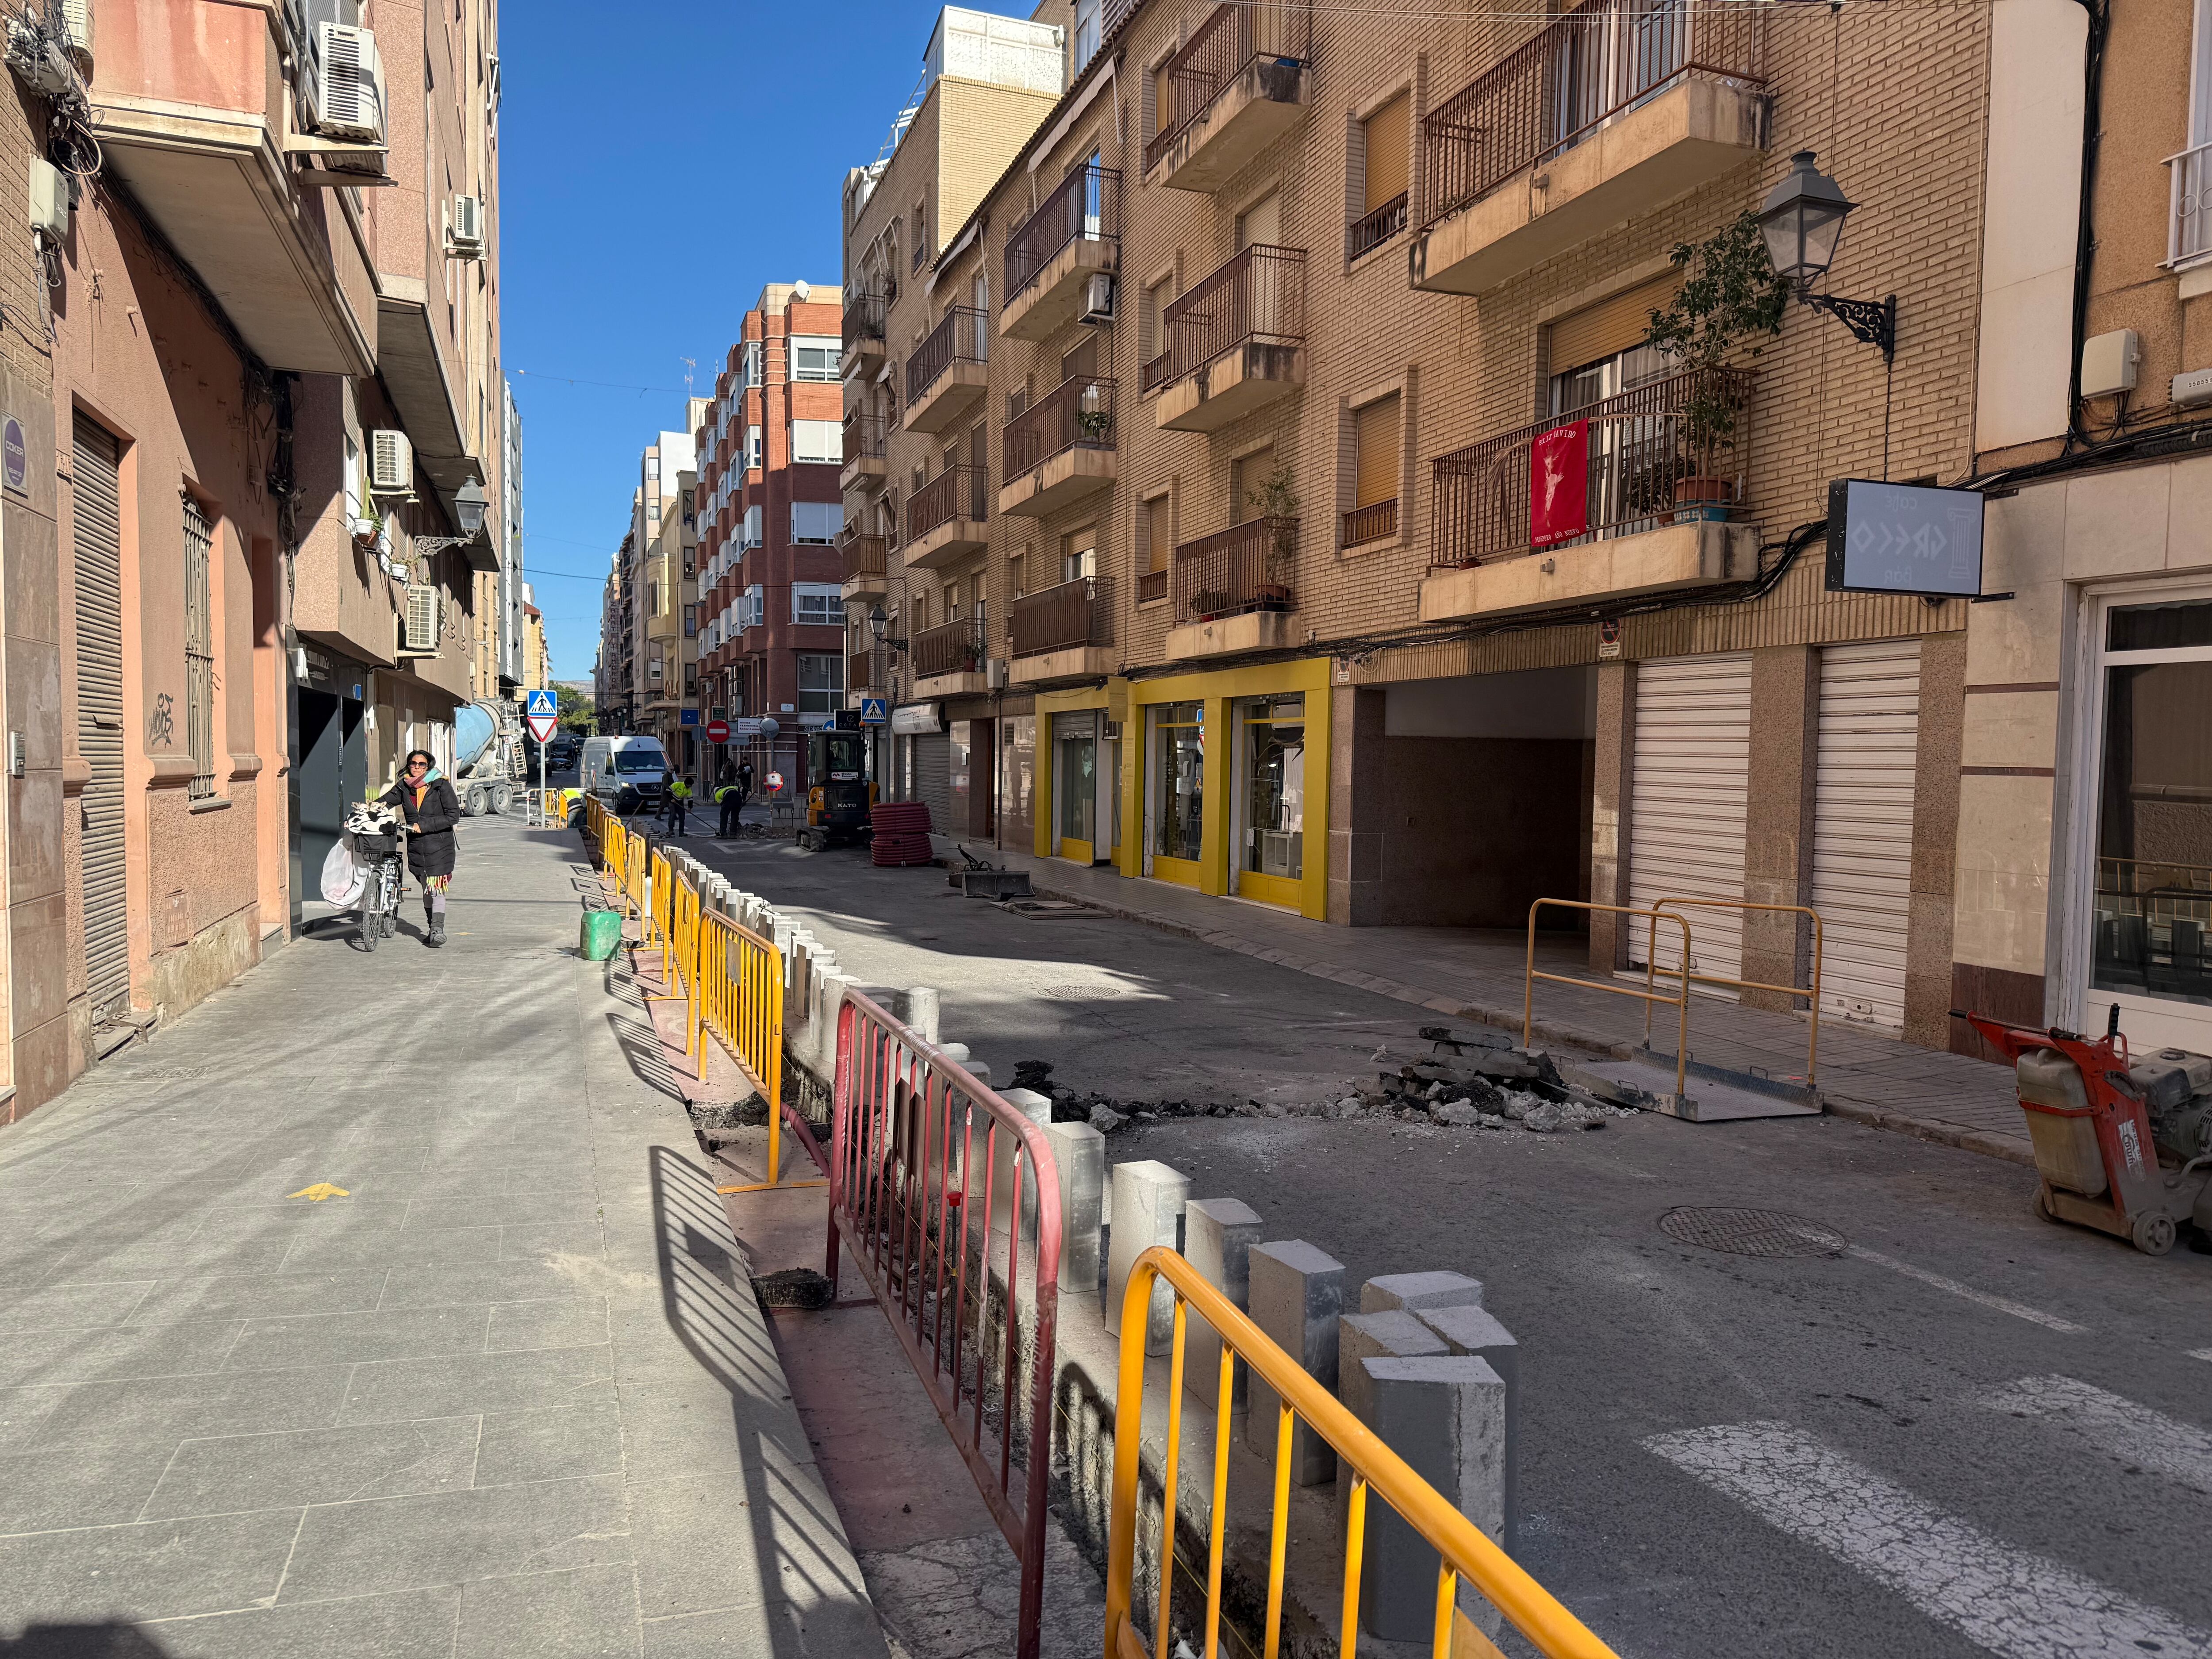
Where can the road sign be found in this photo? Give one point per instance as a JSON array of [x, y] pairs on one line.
[[541, 703], [718, 730], [873, 712], [687, 717], [541, 727]]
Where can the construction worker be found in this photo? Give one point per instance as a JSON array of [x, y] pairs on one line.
[[679, 796], [731, 800]]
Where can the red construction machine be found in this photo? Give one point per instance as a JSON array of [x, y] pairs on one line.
[[2123, 1145]]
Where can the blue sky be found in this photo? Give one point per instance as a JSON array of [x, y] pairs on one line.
[[658, 166]]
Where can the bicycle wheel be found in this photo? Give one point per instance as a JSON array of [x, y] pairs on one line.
[[372, 923]]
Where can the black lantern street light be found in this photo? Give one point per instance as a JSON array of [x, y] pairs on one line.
[[470, 504], [878, 623], [1801, 220]]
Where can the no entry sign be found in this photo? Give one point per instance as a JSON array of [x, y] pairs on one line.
[[718, 730]]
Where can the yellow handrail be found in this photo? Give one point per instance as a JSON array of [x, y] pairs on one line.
[[1812, 991], [1554, 1632], [1681, 999]]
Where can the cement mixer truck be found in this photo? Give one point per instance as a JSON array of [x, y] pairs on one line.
[[489, 765]]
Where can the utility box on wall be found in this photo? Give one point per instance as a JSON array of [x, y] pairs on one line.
[[2109, 362]]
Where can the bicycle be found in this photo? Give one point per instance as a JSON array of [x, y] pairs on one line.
[[375, 832]]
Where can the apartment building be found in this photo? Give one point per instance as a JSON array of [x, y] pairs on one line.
[[665, 538], [537, 659], [614, 692], [1226, 399], [771, 512]]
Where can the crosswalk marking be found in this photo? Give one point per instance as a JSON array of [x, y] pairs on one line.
[[2134, 1434], [2017, 1309], [2012, 1601]]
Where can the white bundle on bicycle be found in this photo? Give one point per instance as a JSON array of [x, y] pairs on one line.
[[344, 872]]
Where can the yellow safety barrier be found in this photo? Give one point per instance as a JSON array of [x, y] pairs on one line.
[[741, 1003], [1679, 1000], [1812, 991], [1464, 1551]]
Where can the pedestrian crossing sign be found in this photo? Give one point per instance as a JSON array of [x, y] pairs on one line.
[[540, 703], [872, 712]]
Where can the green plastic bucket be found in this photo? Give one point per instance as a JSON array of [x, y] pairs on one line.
[[601, 933]]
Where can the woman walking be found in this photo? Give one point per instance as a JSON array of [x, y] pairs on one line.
[[431, 808]]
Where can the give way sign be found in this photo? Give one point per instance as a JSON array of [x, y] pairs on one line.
[[541, 713]]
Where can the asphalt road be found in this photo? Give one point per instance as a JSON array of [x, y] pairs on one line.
[[1965, 1432]]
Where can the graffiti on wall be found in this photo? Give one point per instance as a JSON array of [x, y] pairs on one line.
[[161, 721]]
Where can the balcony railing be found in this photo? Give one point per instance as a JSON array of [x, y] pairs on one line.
[[1058, 619], [860, 671], [955, 648], [865, 437], [1596, 63], [1375, 522], [1086, 204], [2188, 234], [864, 318], [1365, 235], [1152, 585], [1224, 44], [864, 554], [955, 493], [1655, 454], [1078, 415], [1245, 567], [962, 337], [1258, 296]]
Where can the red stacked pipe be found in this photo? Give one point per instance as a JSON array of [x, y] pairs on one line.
[[901, 837]]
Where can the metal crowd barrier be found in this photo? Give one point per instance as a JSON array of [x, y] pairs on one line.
[[1463, 1552], [1680, 999], [929, 1170], [741, 1002], [1812, 991]]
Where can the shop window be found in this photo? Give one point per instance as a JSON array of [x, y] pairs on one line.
[[1274, 787], [1179, 767]]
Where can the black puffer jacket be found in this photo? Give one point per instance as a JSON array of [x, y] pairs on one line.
[[431, 853]]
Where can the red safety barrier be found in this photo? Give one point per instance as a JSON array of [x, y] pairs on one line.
[[928, 1172]]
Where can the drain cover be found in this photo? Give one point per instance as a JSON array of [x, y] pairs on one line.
[[1751, 1232]]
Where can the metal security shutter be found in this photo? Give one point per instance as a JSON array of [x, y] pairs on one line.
[[97, 557], [932, 778], [1686, 802], [1870, 738]]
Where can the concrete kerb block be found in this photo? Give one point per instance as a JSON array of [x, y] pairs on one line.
[[1393, 1334], [1038, 1110], [1414, 1293], [1473, 1333], [1446, 1417], [1297, 1295], [1148, 1207], [1078, 1155], [1218, 1233]]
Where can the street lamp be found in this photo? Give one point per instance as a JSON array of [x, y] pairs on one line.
[[878, 623], [470, 504], [1801, 220]]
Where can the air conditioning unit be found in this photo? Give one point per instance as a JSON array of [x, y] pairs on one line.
[[464, 234], [390, 463], [994, 673], [76, 17], [420, 624], [345, 84], [1098, 298]]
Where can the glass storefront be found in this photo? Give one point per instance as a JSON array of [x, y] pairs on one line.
[[1179, 780], [1076, 785], [1273, 839]]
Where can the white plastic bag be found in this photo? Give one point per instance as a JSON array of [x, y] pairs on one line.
[[342, 879]]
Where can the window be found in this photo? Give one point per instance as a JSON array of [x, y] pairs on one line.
[[1386, 156], [1374, 513], [652, 598], [753, 456], [816, 523], [353, 495], [1152, 306], [1155, 534], [690, 679], [817, 441], [1246, 475], [752, 611], [1079, 553], [199, 651], [818, 603], [691, 621], [749, 373], [814, 357], [653, 466], [1599, 351], [1086, 33], [751, 535], [821, 682], [1161, 89]]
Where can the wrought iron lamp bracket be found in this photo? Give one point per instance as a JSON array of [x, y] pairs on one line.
[[1872, 321]]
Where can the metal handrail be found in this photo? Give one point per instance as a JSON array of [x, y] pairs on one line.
[[1464, 1553], [1085, 205], [962, 336], [1680, 999], [1812, 991]]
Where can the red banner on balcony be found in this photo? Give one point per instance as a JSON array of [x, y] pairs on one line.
[[1559, 485]]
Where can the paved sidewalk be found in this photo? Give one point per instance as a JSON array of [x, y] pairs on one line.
[[1477, 974], [511, 1394]]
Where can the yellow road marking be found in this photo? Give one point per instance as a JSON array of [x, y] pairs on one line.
[[318, 1191]]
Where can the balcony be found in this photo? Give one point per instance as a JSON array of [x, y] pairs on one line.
[[1618, 107], [945, 377], [1075, 234], [948, 660], [1061, 449], [865, 564], [1238, 84], [865, 316], [1234, 342], [1660, 489], [1152, 587], [1232, 590], [1375, 522], [1363, 236], [945, 518], [865, 464], [859, 677], [1063, 634]]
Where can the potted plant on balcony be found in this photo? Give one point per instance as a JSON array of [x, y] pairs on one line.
[[1730, 293], [1279, 504], [1092, 417]]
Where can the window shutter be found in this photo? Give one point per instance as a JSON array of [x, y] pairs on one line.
[[1375, 438], [1610, 326], [1389, 136]]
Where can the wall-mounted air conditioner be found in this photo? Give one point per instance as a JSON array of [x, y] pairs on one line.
[[345, 84], [419, 625], [76, 15], [1098, 298], [464, 232], [994, 673], [390, 463]]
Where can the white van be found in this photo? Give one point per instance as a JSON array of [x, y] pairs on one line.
[[612, 765]]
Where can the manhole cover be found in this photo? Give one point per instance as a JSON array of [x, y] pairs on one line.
[[1082, 992], [1751, 1232]]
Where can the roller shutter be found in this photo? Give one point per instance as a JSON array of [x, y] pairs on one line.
[[1686, 811], [1611, 327], [96, 550], [1870, 737], [932, 778]]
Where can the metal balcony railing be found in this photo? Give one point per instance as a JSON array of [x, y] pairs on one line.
[[1260, 296], [955, 493], [2189, 230], [963, 337], [1224, 44], [1376, 521], [1061, 618], [865, 437], [1086, 205], [1366, 234], [1152, 585], [955, 648], [864, 318], [864, 554], [1247, 567], [1597, 62], [860, 671], [1655, 454], [1077, 415]]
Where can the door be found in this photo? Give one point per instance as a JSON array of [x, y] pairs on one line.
[[322, 786], [1686, 803], [97, 550], [1869, 739], [1075, 786]]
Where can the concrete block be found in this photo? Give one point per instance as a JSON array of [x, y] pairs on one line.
[[1296, 1294], [1446, 1417], [1474, 1333], [1148, 1206], [921, 1012], [1413, 1292], [1038, 1110], [1361, 1337], [1078, 1152], [1218, 1233]]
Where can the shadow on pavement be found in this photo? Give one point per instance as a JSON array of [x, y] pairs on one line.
[[112, 1640]]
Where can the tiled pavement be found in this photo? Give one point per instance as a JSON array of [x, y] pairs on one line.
[[512, 1394]]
